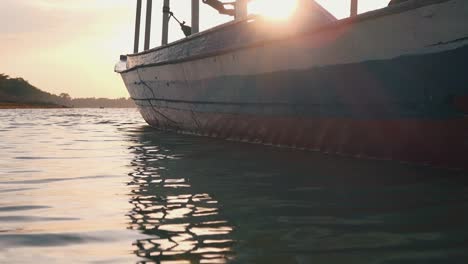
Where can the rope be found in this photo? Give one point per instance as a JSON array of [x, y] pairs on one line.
[[186, 29]]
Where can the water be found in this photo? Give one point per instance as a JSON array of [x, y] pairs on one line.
[[100, 186]]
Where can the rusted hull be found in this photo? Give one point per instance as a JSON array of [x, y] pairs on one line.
[[442, 143], [421, 117]]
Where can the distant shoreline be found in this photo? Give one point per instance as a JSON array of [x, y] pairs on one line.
[[17, 93], [29, 106]]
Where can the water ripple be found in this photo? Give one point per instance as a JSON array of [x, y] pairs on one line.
[[21, 208], [43, 240], [34, 219], [39, 181]]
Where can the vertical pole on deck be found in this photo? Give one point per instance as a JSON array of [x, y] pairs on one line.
[[195, 16], [137, 27], [354, 7], [165, 23], [149, 9], [241, 9]]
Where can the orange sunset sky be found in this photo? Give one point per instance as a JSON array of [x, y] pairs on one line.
[[71, 46]]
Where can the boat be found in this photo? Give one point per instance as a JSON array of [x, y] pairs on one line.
[[387, 84]]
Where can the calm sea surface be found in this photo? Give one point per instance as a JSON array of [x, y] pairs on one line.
[[100, 186]]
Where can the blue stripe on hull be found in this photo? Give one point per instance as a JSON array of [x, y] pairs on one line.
[[417, 86]]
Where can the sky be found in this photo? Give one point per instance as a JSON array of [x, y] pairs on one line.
[[71, 46]]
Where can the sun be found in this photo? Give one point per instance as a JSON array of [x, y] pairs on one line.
[[277, 10]]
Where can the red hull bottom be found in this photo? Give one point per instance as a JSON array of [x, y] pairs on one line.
[[441, 143]]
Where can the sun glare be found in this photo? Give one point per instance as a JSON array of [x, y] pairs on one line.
[[279, 10]]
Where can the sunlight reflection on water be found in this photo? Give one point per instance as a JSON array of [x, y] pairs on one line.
[[99, 185], [183, 225]]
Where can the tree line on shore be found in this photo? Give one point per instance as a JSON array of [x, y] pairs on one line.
[[20, 91]]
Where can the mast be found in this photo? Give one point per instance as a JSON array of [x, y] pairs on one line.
[[149, 9], [354, 7], [241, 9], [137, 27], [165, 23], [195, 16]]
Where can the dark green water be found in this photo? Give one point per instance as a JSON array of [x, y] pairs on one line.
[[99, 186]]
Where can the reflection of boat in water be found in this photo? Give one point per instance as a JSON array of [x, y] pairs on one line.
[[200, 200], [386, 84], [183, 224]]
